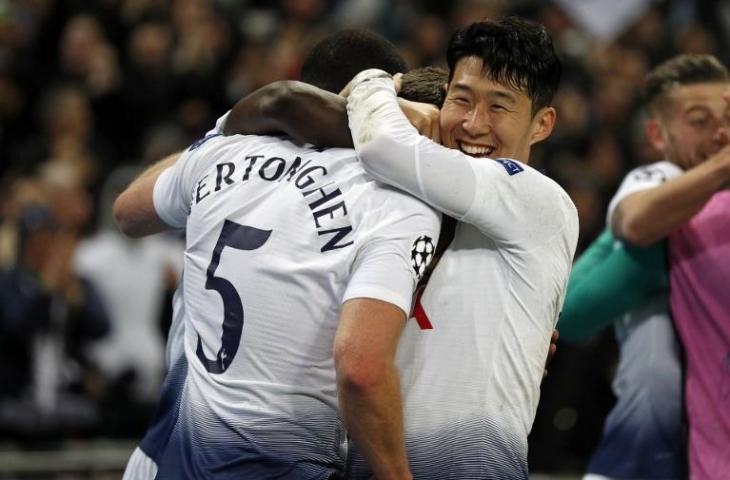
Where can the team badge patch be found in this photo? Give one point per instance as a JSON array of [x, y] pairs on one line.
[[422, 254], [511, 166]]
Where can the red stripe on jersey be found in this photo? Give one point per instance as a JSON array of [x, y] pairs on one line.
[[420, 314]]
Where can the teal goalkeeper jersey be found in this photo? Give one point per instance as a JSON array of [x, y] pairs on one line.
[[609, 280]]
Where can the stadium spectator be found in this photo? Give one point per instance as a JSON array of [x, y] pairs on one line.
[[122, 269], [49, 316]]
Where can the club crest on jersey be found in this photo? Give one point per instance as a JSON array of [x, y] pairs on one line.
[[422, 254], [512, 167]]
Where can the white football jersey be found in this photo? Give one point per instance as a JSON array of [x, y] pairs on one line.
[[472, 362], [278, 235], [642, 178]]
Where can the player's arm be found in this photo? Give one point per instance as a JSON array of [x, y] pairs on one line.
[[607, 282], [367, 383], [134, 209], [508, 202], [378, 297], [649, 215], [309, 114], [393, 151], [593, 256], [300, 110]]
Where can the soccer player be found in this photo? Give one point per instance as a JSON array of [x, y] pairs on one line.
[[684, 199], [299, 274], [620, 284], [642, 436], [472, 361]]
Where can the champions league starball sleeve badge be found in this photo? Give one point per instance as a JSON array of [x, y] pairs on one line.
[[422, 254]]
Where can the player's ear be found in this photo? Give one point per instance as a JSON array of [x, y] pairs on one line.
[[655, 134], [542, 124]]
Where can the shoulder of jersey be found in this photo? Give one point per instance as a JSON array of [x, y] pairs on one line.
[[657, 171], [549, 186], [398, 198]]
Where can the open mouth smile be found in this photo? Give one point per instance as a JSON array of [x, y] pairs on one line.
[[476, 150]]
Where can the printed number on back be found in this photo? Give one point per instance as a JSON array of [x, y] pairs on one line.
[[240, 237]]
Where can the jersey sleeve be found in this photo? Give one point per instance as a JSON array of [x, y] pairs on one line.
[[394, 254], [172, 193], [609, 280], [508, 201], [592, 257], [641, 178]]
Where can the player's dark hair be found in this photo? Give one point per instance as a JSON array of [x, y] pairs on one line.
[[425, 85], [685, 69], [515, 52], [332, 62]]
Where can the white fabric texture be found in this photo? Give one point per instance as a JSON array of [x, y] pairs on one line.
[[284, 233], [471, 383]]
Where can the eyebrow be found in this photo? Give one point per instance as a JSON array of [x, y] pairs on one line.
[[463, 88], [506, 96]]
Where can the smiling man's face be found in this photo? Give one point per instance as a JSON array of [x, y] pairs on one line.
[[694, 122], [483, 118]]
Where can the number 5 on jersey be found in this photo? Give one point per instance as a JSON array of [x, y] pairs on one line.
[[241, 237]]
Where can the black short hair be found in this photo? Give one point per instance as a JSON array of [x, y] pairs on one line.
[[335, 60], [515, 52], [685, 69], [425, 85]]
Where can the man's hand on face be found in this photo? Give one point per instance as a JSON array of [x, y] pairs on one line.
[[423, 116]]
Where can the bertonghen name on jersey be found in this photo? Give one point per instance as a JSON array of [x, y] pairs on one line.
[[323, 197]]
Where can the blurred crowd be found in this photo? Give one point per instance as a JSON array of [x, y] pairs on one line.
[[93, 91]]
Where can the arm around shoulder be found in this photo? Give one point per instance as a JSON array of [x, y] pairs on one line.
[[300, 110]]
